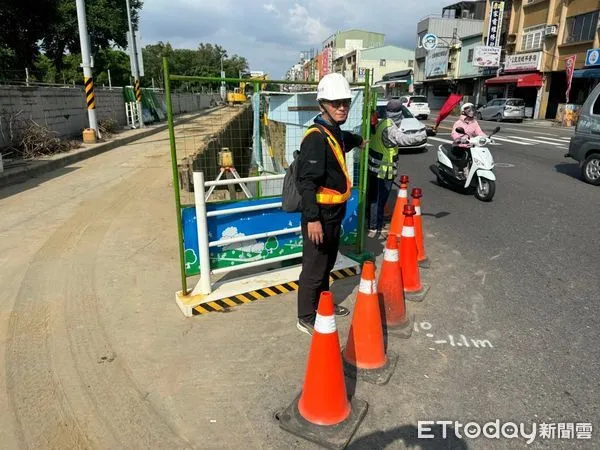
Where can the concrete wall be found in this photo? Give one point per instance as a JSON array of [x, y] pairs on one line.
[[63, 110]]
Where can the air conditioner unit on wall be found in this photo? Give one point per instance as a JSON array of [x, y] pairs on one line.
[[551, 30]]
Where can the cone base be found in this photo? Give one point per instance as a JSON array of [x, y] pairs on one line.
[[374, 376], [417, 296], [335, 437], [424, 263], [403, 331]]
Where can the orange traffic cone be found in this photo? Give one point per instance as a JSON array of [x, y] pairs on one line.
[[322, 412], [422, 258], [401, 200], [413, 288], [391, 291], [364, 355]]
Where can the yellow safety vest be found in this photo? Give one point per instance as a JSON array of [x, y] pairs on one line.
[[382, 159], [326, 196]]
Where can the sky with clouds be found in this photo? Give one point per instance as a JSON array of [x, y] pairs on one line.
[[270, 34]]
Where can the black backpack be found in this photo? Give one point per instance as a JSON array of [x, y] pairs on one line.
[[291, 200]]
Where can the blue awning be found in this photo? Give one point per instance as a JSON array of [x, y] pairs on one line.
[[586, 73]]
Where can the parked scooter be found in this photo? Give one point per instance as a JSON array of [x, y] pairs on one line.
[[467, 168]]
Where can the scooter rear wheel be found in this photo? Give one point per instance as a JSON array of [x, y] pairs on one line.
[[485, 190]]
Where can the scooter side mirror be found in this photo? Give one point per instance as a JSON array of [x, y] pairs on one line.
[[496, 130], [460, 130]]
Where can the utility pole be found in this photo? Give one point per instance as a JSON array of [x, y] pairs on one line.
[[134, 66], [223, 90], [88, 81]]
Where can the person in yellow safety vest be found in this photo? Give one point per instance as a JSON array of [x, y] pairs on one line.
[[324, 184], [383, 162]]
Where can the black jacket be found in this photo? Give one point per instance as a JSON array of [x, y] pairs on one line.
[[318, 166]]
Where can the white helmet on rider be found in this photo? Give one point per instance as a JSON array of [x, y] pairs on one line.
[[468, 109], [333, 86]]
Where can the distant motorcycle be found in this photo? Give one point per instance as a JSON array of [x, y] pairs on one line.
[[467, 168]]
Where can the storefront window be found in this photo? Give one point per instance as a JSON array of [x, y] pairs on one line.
[[532, 37], [581, 27]]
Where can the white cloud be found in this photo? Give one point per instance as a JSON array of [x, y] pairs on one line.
[[271, 8], [231, 232], [308, 28]]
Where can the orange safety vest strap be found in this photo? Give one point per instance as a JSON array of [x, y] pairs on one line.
[[326, 196]]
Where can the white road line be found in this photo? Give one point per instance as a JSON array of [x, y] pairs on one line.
[[537, 141], [552, 139], [446, 141], [520, 130], [496, 138]]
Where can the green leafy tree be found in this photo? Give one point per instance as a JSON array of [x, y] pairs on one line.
[[49, 28], [107, 26], [204, 61], [24, 23], [153, 65], [117, 62]]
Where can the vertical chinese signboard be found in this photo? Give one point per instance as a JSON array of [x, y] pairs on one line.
[[495, 24], [569, 67]]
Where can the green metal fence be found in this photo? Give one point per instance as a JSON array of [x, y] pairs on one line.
[[257, 132]]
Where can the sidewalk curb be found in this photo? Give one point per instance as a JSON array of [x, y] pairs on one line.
[[23, 174]]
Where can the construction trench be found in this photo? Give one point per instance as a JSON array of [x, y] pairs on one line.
[[200, 141]]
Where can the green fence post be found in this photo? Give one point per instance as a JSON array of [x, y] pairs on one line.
[[360, 255], [175, 174]]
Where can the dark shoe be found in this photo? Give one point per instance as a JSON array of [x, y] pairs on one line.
[[341, 311], [305, 327]]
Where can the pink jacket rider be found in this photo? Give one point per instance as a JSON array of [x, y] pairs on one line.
[[471, 127]]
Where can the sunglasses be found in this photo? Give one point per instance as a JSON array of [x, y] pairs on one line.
[[338, 103]]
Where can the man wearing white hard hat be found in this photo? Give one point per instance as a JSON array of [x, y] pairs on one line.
[[325, 187]]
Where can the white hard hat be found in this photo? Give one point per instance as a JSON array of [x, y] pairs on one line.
[[467, 105], [333, 86]]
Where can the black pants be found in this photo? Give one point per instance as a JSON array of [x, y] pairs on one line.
[[317, 262], [377, 194]]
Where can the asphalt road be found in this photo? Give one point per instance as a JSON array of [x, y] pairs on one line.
[[95, 354], [524, 272]]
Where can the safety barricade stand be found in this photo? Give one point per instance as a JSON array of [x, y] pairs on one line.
[[275, 233]]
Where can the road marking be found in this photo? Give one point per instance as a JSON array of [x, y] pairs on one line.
[[496, 138], [446, 141], [561, 140], [500, 164], [536, 140]]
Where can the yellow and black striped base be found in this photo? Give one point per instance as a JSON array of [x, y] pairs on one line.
[[90, 97], [138, 91], [259, 294]]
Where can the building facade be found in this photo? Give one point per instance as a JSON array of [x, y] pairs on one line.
[[538, 36], [436, 70], [382, 60], [469, 82]]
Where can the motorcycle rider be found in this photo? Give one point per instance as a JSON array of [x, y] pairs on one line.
[[469, 124]]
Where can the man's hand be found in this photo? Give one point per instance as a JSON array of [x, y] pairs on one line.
[[363, 144], [315, 232]]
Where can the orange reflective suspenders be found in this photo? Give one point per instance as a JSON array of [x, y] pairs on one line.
[[326, 196]]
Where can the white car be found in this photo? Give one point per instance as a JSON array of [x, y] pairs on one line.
[[417, 105]]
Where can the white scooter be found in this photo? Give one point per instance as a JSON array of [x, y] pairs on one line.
[[473, 168]]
